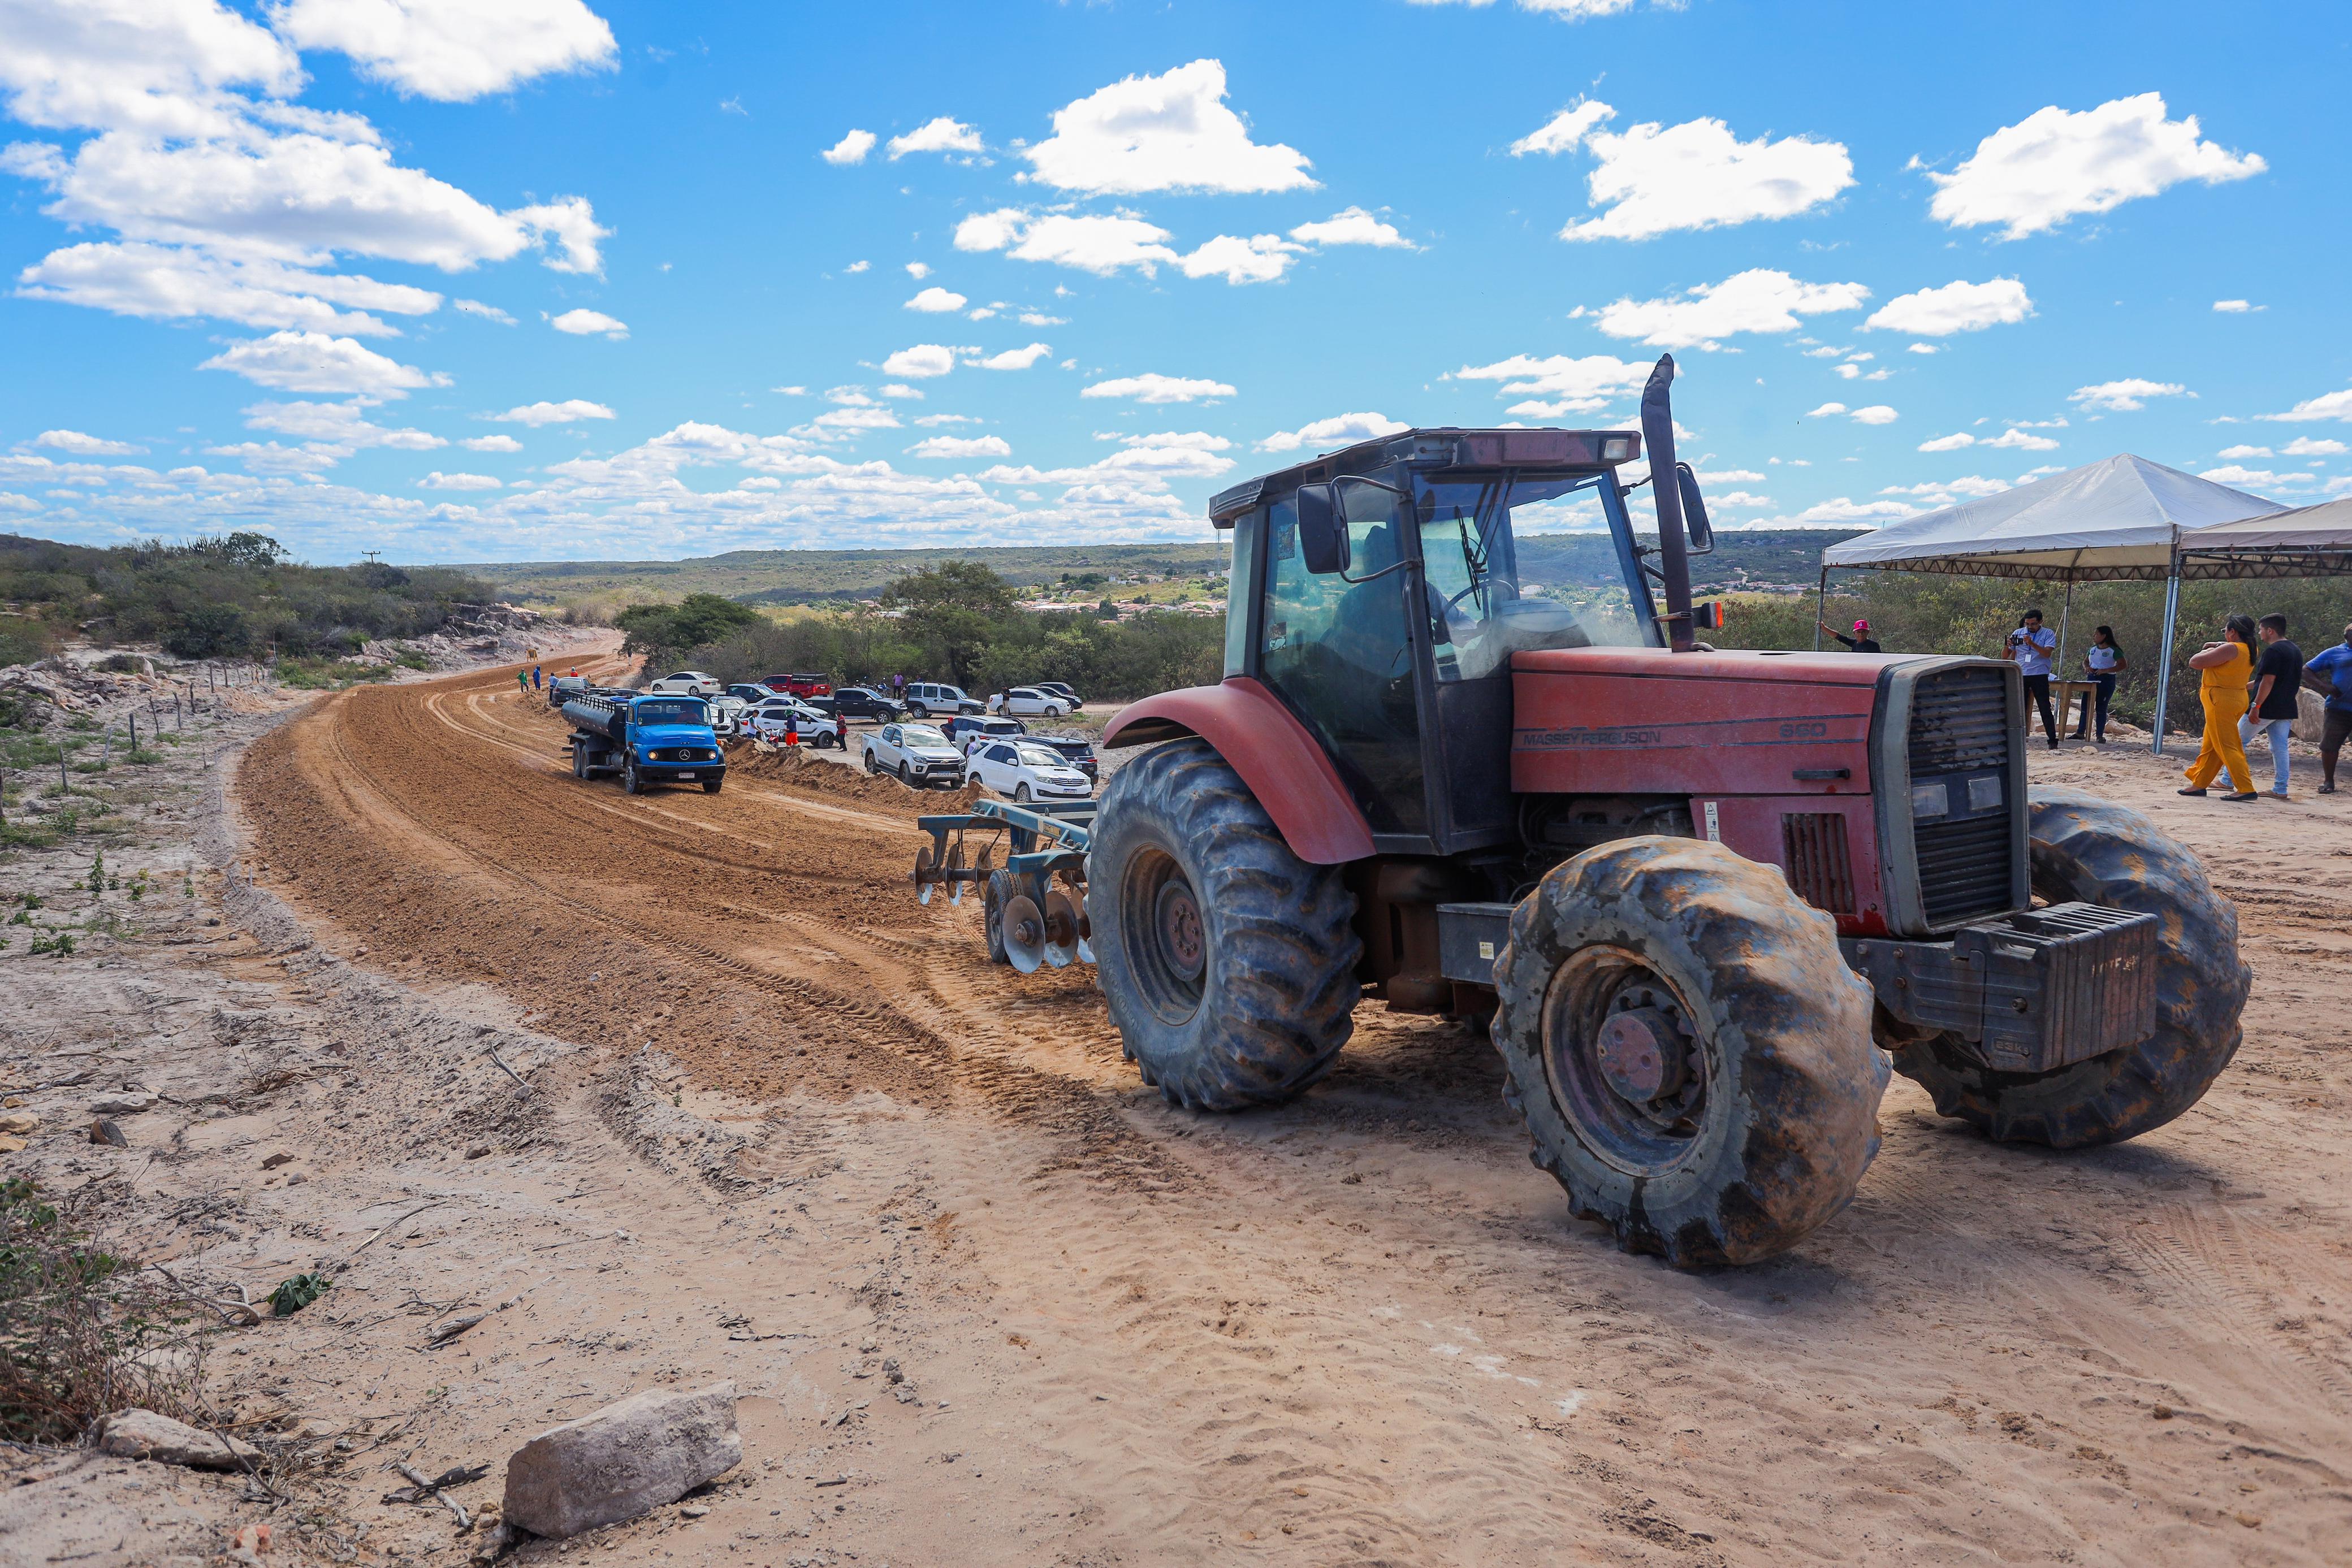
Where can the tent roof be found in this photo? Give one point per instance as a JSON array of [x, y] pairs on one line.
[[2305, 541], [2118, 518]]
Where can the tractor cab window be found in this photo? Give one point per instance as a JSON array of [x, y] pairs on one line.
[[1338, 649], [1492, 591]]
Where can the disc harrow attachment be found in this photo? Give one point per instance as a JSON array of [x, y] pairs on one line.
[[1044, 920]]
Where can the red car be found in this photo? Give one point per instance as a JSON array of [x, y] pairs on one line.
[[799, 685]]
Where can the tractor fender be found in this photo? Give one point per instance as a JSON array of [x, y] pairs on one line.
[[1284, 765]]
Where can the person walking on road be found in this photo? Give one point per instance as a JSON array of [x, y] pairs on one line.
[[2033, 645], [523, 681], [2226, 668], [1862, 641], [2278, 675], [2104, 661], [2334, 666], [534, 677]]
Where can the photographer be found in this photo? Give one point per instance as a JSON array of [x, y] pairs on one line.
[[2033, 645]]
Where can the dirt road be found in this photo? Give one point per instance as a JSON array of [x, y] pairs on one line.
[[1359, 1330]]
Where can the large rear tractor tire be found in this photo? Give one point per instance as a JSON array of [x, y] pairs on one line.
[[1229, 964], [1691, 1052], [2084, 849]]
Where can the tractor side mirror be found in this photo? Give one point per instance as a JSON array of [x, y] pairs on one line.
[[1322, 531], [1695, 523]]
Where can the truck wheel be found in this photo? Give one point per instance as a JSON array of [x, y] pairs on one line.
[[1228, 963], [630, 782], [2084, 848], [995, 895], [710, 785], [1691, 1052], [579, 762]]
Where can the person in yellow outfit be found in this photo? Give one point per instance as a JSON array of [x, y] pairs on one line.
[[2227, 666]]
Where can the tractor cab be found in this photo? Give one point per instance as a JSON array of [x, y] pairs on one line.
[[1381, 591]]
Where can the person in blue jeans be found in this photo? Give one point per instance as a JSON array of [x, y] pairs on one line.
[[2104, 661], [2033, 645], [2334, 666], [2278, 675]]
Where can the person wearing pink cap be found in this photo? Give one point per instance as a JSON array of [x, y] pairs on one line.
[[1862, 641]]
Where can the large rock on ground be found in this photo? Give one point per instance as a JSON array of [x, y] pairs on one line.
[[145, 1434], [615, 1463]]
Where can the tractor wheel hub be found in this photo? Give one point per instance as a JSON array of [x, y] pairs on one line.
[[1642, 1054]]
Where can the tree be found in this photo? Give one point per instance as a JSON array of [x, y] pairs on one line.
[[953, 611], [208, 630], [663, 632]]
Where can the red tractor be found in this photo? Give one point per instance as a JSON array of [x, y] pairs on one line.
[[1698, 898]]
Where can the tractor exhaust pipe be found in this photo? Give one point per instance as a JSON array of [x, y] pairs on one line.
[[1666, 491]]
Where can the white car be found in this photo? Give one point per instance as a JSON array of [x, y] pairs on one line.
[[1030, 702], [918, 753], [728, 716], [814, 728], [689, 684], [925, 698], [1027, 771]]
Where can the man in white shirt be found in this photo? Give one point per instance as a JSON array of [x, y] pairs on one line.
[[2033, 645]]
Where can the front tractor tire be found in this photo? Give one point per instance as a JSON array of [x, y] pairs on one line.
[[1691, 1052], [2083, 848], [1228, 963]]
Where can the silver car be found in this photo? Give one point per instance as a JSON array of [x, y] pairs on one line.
[[918, 753]]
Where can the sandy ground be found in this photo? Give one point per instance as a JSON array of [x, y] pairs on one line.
[[989, 1301]]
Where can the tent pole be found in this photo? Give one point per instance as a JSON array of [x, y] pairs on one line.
[[2065, 613], [2164, 659], [1820, 608]]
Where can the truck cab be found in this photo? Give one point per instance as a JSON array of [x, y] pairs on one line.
[[648, 739]]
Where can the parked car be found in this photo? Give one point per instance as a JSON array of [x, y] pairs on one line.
[[558, 687], [1077, 702], [728, 714], [965, 728], [802, 685], [1028, 771], [815, 729], [861, 702], [750, 694], [918, 753], [1031, 702], [925, 698], [1075, 749], [687, 684]]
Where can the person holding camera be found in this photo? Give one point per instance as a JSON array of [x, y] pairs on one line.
[[2032, 646]]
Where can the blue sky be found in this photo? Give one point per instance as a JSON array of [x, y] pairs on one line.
[[637, 281]]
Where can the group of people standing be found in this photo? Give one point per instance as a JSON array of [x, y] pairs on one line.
[[2248, 682]]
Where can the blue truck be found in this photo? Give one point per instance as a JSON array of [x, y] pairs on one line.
[[646, 739]]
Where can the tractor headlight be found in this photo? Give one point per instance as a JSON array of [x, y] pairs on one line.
[[1617, 449]]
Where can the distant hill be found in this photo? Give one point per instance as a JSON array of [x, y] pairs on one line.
[[1754, 559]]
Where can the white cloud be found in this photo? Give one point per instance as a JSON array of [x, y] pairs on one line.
[[2054, 165], [1039, 319], [164, 282], [1757, 301], [919, 270], [436, 480], [1148, 461], [1152, 387], [487, 312], [1096, 243], [851, 149], [1739, 498], [1168, 132], [1846, 510], [1261, 258], [1949, 443], [339, 429], [933, 421], [941, 135], [2306, 446], [450, 50], [315, 362], [936, 301], [1351, 225], [858, 267], [2126, 396], [921, 363], [81, 446], [1655, 179], [2326, 405], [848, 397], [1957, 307], [1974, 486], [1729, 476], [2230, 474], [1581, 385], [270, 457], [1015, 358], [1339, 430], [1926, 349], [1876, 414], [960, 446], [2236, 306], [569, 412], [1564, 132], [901, 390], [580, 323], [2234, 452], [490, 444], [837, 422], [2019, 440]]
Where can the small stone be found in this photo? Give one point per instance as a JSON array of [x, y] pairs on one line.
[[20, 1124], [478, 1152], [274, 1161], [2162, 1412], [127, 1105], [145, 1434], [692, 1510], [617, 1463], [105, 1132]]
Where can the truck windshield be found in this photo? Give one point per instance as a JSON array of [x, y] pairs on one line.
[[1483, 606], [678, 710]]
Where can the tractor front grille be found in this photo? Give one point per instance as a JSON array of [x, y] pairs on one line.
[[1819, 866], [1961, 744]]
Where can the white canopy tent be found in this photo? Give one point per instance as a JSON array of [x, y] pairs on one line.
[[2309, 541], [2123, 519]]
